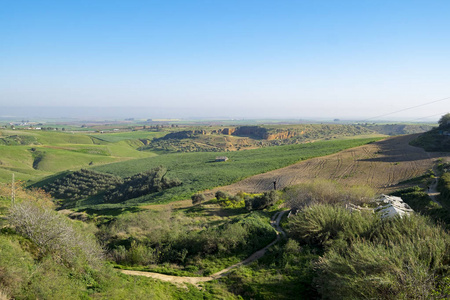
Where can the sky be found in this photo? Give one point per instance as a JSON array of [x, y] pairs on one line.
[[239, 59]]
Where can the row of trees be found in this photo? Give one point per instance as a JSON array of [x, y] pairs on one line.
[[153, 181], [81, 184], [84, 183]]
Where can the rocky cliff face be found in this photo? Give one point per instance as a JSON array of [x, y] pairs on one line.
[[183, 134], [228, 131], [283, 135]]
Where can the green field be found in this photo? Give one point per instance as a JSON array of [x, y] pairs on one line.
[[133, 135], [31, 155], [199, 171]]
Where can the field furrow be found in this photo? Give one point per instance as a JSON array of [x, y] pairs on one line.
[[381, 165]]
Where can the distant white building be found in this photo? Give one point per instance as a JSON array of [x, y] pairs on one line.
[[221, 158]]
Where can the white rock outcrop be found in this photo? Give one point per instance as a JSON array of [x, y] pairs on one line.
[[391, 206]]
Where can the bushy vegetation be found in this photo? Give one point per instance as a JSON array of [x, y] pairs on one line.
[[197, 198], [35, 261], [325, 191], [433, 141], [53, 233], [81, 184], [263, 201], [152, 181], [436, 139], [366, 257], [421, 203], [18, 140], [148, 238], [444, 188]]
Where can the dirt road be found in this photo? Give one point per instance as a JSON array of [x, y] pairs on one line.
[[380, 165], [275, 222]]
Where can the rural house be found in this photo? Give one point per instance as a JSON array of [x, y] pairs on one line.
[[221, 158]]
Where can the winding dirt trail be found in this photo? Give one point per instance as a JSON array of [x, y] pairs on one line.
[[181, 280]]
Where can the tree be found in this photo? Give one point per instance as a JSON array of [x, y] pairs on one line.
[[444, 120]]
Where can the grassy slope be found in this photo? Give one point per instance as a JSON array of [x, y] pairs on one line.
[[199, 171], [120, 136], [60, 151]]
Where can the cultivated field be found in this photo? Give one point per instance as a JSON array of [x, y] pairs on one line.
[[381, 165]]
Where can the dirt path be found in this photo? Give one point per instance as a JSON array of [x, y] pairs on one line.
[[432, 188], [380, 165], [275, 222]]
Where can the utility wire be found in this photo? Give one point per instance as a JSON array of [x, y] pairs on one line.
[[440, 114], [420, 105]]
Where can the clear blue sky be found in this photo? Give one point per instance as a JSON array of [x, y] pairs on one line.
[[301, 59]]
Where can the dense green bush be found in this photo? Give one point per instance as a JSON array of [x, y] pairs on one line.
[[444, 188], [197, 198], [220, 195], [261, 201], [366, 257], [322, 225]]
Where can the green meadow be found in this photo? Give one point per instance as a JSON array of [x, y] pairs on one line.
[[31, 155]]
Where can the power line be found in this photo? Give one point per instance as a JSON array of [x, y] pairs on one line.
[[440, 114], [401, 110]]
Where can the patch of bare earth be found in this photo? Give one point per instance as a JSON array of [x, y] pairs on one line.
[[380, 165]]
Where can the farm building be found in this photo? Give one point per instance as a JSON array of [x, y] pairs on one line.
[[221, 158]]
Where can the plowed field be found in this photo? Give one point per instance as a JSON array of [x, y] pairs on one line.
[[380, 165]]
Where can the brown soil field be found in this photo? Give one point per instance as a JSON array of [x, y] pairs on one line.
[[381, 165]]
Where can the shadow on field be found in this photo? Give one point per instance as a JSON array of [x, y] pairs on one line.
[[397, 149]]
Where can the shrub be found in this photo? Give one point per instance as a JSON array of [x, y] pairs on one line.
[[325, 191], [366, 257], [263, 201], [197, 199], [53, 233], [320, 225], [399, 259], [220, 195]]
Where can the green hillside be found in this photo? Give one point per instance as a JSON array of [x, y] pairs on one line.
[[31, 155]]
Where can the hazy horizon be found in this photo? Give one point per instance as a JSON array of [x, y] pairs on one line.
[[140, 113], [235, 59]]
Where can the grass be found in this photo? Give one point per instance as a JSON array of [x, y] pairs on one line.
[[199, 171], [53, 152], [133, 135]]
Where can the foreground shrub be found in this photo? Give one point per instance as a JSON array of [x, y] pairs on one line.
[[321, 225], [369, 258], [53, 233]]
